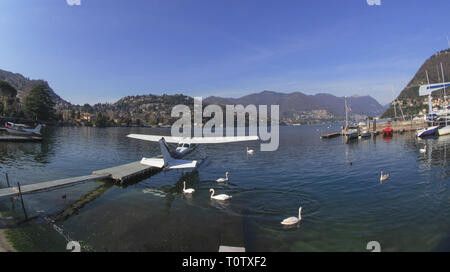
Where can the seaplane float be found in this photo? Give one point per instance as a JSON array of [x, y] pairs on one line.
[[173, 159]]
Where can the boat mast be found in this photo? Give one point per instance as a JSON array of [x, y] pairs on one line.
[[346, 113], [393, 102], [445, 94], [430, 107], [443, 81]]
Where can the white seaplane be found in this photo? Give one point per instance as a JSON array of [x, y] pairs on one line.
[[173, 160], [23, 130]]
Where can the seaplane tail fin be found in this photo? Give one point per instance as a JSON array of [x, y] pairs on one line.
[[37, 129], [170, 162], [165, 151]]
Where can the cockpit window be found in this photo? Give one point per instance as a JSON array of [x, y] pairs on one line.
[[180, 145], [186, 145]]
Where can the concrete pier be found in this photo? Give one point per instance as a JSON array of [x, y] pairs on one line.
[[122, 173], [42, 186]]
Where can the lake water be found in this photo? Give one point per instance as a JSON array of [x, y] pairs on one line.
[[344, 205]]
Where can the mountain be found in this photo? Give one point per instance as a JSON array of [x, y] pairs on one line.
[[24, 85], [298, 107], [295, 107], [409, 98]]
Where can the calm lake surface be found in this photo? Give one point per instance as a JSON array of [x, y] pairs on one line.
[[344, 206]]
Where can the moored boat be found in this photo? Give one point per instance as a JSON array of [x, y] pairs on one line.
[[444, 130], [428, 131], [350, 132], [365, 134], [388, 131]]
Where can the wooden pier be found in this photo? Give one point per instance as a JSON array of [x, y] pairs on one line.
[[330, 135], [121, 173], [13, 138]]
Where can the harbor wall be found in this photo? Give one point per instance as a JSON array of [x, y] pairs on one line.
[[398, 126]]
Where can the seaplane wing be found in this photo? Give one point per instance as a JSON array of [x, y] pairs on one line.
[[194, 140]]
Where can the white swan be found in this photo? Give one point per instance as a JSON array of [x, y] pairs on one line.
[[187, 191], [250, 151], [383, 177], [219, 197], [293, 220], [223, 179]]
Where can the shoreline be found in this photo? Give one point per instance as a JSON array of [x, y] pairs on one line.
[[5, 245]]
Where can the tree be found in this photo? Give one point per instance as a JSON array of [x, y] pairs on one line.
[[103, 121], [7, 90], [39, 104], [7, 94]]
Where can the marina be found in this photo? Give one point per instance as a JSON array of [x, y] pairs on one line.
[[261, 197]]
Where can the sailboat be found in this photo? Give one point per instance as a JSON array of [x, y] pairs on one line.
[[445, 130], [349, 131], [427, 90]]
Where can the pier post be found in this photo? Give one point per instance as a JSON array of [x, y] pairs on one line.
[[21, 200], [7, 180]]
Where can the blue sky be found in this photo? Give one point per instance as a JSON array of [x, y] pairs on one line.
[[103, 50]]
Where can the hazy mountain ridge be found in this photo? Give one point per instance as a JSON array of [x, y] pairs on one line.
[[295, 107], [297, 104]]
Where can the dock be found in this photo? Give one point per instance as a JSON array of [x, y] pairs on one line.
[[397, 126], [43, 186], [13, 138], [330, 135], [121, 173], [125, 172]]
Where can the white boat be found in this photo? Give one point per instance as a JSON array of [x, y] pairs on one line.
[[444, 130], [22, 130], [426, 90], [349, 131], [428, 131], [364, 134]]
